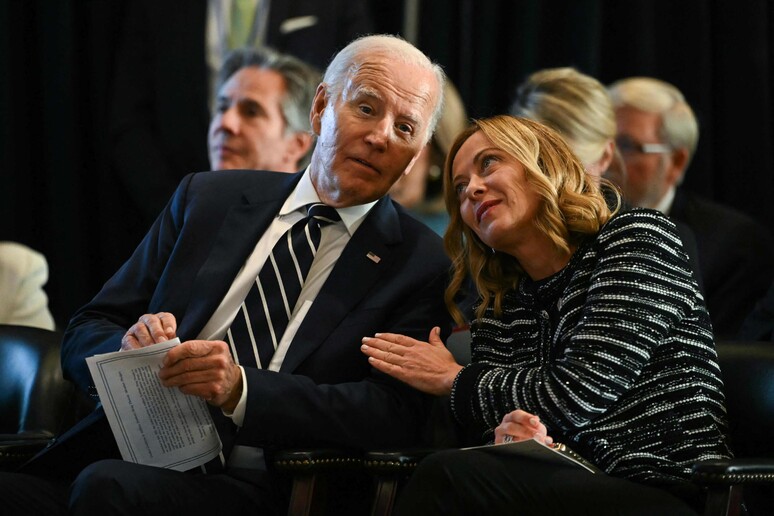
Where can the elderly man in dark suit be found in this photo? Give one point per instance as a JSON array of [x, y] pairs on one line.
[[376, 269], [657, 136]]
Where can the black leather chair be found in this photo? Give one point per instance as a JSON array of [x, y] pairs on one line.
[[745, 482], [36, 402]]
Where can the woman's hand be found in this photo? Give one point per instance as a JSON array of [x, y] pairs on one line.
[[521, 426], [150, 329], [426, 366]]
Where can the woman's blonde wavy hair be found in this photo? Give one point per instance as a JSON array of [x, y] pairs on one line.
[[572, 207]]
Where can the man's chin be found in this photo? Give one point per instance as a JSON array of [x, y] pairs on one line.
[[228, 164]]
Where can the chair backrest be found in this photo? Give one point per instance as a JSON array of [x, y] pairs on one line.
[[34, 397], [458, 344], [747, 369]]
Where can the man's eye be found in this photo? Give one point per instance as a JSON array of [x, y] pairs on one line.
[[405, 128], [625, 145], [366, 109]]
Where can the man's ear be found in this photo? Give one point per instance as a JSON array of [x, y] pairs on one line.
[[318, 106], [678, 161], [298, 145], [411, 164]]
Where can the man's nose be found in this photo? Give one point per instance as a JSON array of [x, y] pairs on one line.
[[379, 134], [229, 120]]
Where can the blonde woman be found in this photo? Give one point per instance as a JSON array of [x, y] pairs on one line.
[[579, 107], [590, 330]]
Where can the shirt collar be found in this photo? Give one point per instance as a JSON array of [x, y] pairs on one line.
[[665, 204], [304, 193]]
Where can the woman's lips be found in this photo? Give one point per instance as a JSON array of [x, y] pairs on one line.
[[483, 207]]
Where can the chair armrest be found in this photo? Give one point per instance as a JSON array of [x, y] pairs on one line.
[[316, 460], [395, 461], [390, 469], [16, 449], [733, 471]]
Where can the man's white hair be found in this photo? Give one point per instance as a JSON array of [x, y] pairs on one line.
[[353, 56]]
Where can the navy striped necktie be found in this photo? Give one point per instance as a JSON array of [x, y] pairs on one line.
[[262, 318]]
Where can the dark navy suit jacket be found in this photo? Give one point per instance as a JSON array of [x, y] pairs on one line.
[[326, 392], [736, 257]]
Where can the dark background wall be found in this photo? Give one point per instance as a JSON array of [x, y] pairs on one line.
[[56, 62]]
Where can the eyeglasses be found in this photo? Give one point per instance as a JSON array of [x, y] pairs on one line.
[[628, 146]]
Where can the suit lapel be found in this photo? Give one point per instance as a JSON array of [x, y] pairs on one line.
[[353, 276], [236, 238]]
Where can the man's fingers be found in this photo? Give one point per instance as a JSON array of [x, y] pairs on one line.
[[154, 328], [193, 349], [168, 323], [186, 350], [129, 341]]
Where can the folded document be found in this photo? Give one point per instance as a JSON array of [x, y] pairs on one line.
[[152, 424]]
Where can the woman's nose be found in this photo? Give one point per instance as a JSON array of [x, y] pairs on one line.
[[475, 186]]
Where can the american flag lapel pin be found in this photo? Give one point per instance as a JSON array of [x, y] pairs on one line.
[[371, 256]]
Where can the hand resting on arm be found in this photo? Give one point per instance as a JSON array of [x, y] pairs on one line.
[[426, 366], [431, 368]]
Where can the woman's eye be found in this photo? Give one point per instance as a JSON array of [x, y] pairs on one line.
[[487, 161], [460, 188]]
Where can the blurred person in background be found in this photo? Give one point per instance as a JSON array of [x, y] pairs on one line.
[[579, 107], [23, 273], [261, 115], [657, 136]]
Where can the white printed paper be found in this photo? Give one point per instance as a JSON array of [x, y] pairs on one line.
[[152, 424]]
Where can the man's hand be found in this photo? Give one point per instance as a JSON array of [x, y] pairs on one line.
[[521, 426], [426, 366], [150, 329], [204, 368]]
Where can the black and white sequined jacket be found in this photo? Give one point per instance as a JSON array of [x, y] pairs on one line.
[[614, 352]]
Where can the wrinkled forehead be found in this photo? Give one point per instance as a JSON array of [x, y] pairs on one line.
[[405, 83]]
